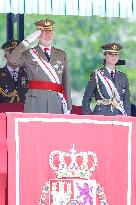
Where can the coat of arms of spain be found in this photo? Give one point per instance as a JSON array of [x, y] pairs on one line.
[[74, 184]]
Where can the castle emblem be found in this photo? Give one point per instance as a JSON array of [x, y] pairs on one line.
[[74, 184]]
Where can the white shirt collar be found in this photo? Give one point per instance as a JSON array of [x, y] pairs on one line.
[[109, 70], [11, 69], [42, 47], [48, 51]]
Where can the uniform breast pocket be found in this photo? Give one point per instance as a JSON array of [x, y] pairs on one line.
[[32, 65], [32, 94]]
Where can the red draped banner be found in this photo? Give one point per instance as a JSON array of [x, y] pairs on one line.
[[32, 137], [3, 159]]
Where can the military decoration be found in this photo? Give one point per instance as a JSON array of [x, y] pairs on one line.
[[59, 67], [6, 89], [123, 90], [23, 81]]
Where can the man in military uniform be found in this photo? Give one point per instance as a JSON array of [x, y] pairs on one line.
[[47, 70], [13, 79], [109, 87]]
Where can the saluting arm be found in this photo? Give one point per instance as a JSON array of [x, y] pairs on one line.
[[15, 57]]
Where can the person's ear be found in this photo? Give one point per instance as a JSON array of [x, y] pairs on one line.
[[6, 53]]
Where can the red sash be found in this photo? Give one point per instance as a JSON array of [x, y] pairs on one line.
[[45, 85]]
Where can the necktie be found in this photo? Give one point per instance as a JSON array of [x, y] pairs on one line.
[[15, 76], [46, 49], [46, 53], [112, 75]]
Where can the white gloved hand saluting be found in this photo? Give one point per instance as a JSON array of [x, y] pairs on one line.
[[32, 37]]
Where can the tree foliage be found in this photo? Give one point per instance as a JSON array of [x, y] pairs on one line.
[[82, 37]]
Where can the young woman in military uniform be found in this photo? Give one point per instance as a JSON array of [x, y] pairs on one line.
[[109, 86]]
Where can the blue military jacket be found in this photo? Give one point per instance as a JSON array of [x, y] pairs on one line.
[[11, 91]]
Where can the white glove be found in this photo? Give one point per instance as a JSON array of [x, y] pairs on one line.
[[32, 37]]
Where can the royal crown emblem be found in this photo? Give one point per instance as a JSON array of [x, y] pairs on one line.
[[79, 164], [74, 184]]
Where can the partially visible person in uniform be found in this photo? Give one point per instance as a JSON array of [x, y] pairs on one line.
[[109, 86], [133, 110], [47, 70], [13, 79]]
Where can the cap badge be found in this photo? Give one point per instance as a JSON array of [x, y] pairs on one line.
[[47, 23], [14, 43], [114, 47]]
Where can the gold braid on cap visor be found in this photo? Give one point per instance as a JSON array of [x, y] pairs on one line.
[[43, 28], [112, 51], [14, 45]]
